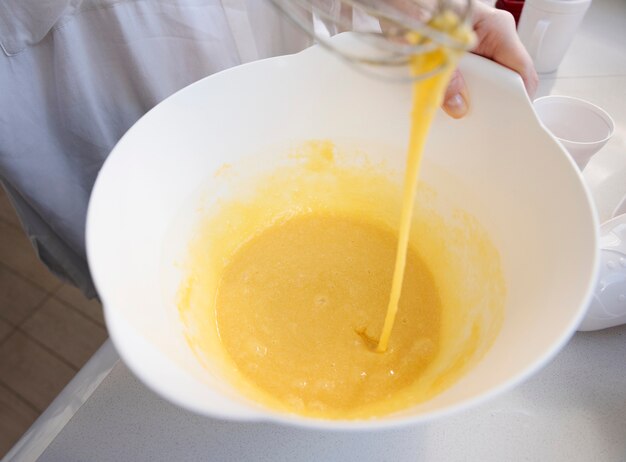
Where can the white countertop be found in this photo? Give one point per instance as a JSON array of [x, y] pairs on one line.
[[572, 410]]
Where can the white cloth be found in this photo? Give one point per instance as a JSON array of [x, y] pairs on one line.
[[76, 74]]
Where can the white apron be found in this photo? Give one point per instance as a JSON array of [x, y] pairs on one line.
[[76, 74]]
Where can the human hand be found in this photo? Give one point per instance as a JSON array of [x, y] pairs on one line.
[[497, 40]]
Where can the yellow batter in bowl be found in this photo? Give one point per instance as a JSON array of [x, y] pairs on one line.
[[288, 285], [284, 273]]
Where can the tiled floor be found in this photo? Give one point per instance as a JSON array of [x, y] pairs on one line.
[[48, 330]]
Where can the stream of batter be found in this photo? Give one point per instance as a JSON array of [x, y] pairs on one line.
[[427, 97]]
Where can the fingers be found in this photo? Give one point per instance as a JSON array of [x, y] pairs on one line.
[[498, 40], [456, 99]]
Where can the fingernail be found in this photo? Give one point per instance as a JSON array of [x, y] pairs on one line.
[[456, 105]]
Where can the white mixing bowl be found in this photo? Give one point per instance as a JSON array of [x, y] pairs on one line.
[[525, 191]]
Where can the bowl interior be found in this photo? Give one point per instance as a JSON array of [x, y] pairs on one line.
[[500, 165]]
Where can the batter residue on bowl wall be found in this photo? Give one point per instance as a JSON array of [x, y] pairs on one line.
[[284, 273]]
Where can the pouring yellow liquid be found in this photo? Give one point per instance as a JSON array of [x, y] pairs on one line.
[[294, 302], [427, 97]]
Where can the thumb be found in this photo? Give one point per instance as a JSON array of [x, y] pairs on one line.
[[456, 99]]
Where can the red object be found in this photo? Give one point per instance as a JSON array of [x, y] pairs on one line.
[[512, 6]]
